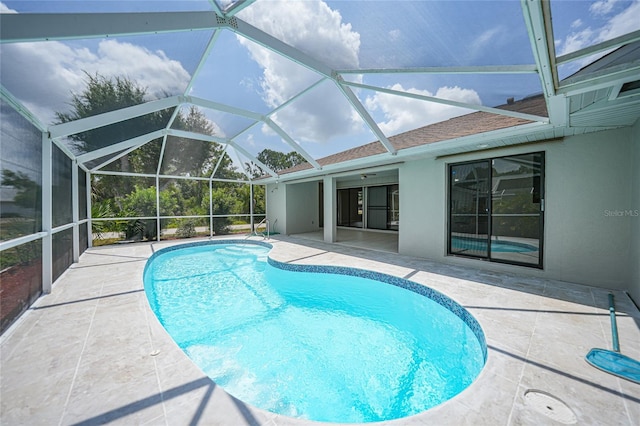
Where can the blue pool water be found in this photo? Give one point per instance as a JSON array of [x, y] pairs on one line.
[[325, 347], [497, 246]]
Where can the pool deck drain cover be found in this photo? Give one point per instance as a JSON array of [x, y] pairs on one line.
[[550, 406]]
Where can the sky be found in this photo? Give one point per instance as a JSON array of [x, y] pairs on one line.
[[343, 34]]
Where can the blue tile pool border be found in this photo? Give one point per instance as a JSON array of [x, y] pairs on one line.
[[420, 289]]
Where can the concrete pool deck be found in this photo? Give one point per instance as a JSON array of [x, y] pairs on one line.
[[92, 352]]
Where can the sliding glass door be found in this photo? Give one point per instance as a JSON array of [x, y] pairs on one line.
[[383, 209], [469, 209], [496, 209], [370, 207], [350, 207]]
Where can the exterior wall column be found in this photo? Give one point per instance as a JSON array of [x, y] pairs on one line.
[[330, 209]]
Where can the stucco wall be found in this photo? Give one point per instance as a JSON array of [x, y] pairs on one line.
[[276, 207], [302, 207], [588, 179], [634, 281], [422, 209]]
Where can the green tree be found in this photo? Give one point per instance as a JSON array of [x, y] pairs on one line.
[[190, 156], [225, 201], [134, 196], [102, 94], [28, 196], [275, 160], [244, 196], [29, 193]]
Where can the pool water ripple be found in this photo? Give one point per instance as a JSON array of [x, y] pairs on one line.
[[325, 347]]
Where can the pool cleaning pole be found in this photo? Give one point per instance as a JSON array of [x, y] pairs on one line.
[[614, 326]]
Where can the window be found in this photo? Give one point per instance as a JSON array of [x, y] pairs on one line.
[[496, 209]]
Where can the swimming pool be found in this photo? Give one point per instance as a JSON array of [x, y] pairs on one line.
[[320, 343]]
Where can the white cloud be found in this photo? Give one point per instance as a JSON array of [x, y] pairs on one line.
[[576, 24], [602, 7], [576, 41], [486, 39], [317, 30], [622, 23], [402, 114], [311, 26], [319, 116], [251, 140], [6, 9], [44, 75], [395, 34]]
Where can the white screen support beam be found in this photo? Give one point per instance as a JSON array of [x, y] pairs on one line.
[[25, 27], [237, 6], [47, 215], [112, 149], [216, 7], [89, 222], [534, 17], [116, 157], [600, 47], [418, 96], [481, 69], [268, 41], [364, 114], [101, 120], [22, 110], [293, 144], [196, 136], [222, 107], [75, 212], [537, 17], [203, 58], [222, 154]]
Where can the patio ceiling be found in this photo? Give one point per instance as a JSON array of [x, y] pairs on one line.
[[337, 79]]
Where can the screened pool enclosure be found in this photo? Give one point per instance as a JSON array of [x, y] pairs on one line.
[[128, 121]]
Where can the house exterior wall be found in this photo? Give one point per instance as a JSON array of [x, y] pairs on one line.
[[302, 207], [293, 208], [634, 282], [588, 179], [422, 230], [276, 194]]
